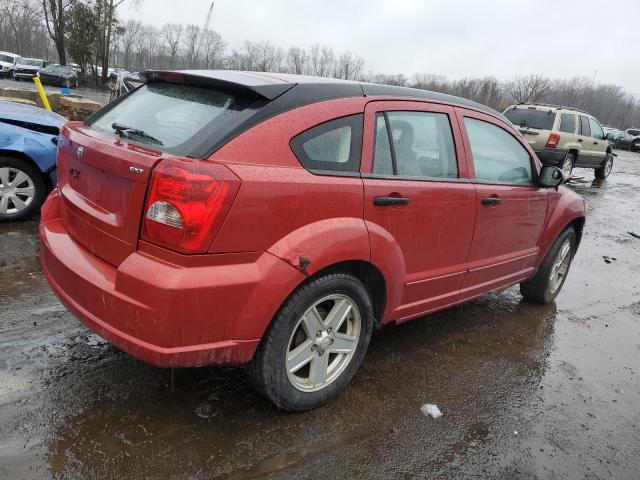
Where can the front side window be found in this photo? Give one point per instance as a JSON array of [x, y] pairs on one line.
[[332, 146], [497, 156], [596, 129], [568, 123], [635, 133], [584, 126], [414, 145]]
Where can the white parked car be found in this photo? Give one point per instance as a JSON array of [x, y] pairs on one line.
[[26, 68], [7, 63]]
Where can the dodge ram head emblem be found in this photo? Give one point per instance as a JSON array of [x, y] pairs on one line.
[[74, 173], [137, 170], [79, 152]]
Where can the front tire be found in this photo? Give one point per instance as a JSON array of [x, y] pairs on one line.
[[315, 344], [546, 284], [22, 189], [567, 163], [605, 168]]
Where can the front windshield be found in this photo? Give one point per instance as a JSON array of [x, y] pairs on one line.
[[31, 62]]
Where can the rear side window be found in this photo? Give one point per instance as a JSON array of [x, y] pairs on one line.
[[568, 123], [332, 146], [497, 156], [584, 126], [529, 117], [414, 144], [172, 116]]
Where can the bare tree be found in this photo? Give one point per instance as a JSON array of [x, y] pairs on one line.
[[131, 38], [55, 17], [531, 88], [262, 56], [322, 60], [172, 35], [297, 60], [191, 41], [212, 49], [348, 66]]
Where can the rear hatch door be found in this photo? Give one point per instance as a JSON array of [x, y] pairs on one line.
[[103, 181]]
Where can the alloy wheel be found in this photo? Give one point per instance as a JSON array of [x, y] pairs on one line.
[[567, 165], [608, 166], [17, 190], [323, 342], [560, 267]]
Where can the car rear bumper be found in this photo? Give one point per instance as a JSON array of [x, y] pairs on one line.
[[165, 314], [551, 156]]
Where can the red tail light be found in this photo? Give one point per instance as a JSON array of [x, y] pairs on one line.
[[187, 202], [554, 138]]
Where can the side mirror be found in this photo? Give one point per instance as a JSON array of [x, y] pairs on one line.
[[551, 177]]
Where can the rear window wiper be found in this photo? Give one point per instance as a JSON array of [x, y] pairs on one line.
[[128, 131]]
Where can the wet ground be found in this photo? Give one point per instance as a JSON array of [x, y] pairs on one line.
[[526, 391], [98, 95]]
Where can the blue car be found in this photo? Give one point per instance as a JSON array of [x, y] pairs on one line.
[[28, 143]]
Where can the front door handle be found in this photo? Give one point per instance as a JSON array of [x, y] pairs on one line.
[[491, 201], [580, 140], [595, 143], [386, 201]]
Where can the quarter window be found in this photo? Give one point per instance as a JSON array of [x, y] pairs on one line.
[[497, 156], [568, 123], [332, 146], [414, 145], [584, 126]]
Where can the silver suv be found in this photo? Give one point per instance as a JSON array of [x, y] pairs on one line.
[[563, 137]]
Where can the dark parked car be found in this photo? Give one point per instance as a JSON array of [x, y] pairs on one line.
[[623, 140], [59, 76], [28, 138], [215, 217]]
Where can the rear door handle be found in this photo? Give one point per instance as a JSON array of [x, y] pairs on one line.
[[491, 201], [595, 143], [386, 201]]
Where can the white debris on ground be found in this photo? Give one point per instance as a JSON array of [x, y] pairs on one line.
[[430, 409]]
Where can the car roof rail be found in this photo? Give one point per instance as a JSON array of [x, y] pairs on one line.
[[554, 106]]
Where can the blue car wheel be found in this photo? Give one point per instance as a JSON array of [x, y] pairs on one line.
[[22, 189]]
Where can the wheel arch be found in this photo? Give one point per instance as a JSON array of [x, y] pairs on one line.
[[24, 157]]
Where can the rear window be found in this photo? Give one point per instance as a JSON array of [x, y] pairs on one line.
[[171, 115], [526, 117]]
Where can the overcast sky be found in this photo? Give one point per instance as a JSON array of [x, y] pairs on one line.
[[455, 38]]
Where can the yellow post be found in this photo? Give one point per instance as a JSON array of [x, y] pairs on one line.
[[43, 97]]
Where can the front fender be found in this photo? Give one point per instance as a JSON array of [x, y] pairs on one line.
[[565, 206], [35, 145]]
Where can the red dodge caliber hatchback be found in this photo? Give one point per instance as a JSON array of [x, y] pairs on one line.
[[218, 217]]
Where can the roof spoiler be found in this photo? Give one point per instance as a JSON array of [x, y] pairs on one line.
[[238, 81]]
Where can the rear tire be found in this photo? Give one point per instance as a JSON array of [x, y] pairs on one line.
[[605, 168], [546, 284], [22, 189], [296, 366]]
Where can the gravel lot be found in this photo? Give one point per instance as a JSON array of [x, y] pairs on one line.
[[526, 391]]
